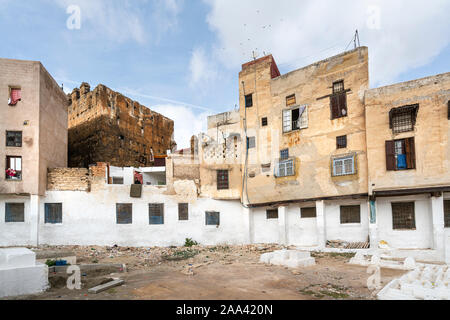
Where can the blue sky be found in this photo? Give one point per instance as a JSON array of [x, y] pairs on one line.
[[182, 57]]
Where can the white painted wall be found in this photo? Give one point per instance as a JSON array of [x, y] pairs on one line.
[[301, 231], [16, 233], [354, 232], [421, 238], [264, 230]]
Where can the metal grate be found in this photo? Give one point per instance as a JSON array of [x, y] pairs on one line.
[[350, 214], [447, 213], [308, 212], [156, 213], [341, 142], [403, 216], [272, 214], [212, 218], [14, 138], [117, 180], [53, 213], [124, 213], [264, 122], [183, 211], [222, 180], [402, 122], [14, 212], [338, 86], [284, 154]]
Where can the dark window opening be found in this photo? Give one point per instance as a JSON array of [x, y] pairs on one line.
[[341, 142], [14, 138], [338, 86], [183, 211], [53, 213], [400, 154], [272, 214], [284, 154], [308, 212], [264, 122], [156, 213], [447, 213], [124, 213], [212, 218], [13, 168], [338, 101], [117, 180], [403, 119], [222, 180], [290, 100], [448, 103], [350, 214], [14, 212], [249, 100], [295, 119], [403, 216], [251, 142]]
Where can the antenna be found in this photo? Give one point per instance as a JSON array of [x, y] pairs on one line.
[[356, 39]]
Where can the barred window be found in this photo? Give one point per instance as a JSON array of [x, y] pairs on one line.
[[447, 213], [183, 211], [272, 214], [403, 216], [264, 122], [14, 212], [14, 138], [308, 212], [338, 86], [124, 213], [341, 142], [222, 180], [284, 154], [156, 213], [350, 214], [53, 213], [117, 180], [212, 218], [403, 119], [344, 166]]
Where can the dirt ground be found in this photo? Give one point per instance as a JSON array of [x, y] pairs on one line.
[[213, 273]]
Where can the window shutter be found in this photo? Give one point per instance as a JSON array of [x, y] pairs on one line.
[[334, 106], [287, 120], [342, 104], [410, 153], [390, 155], [276, 169]]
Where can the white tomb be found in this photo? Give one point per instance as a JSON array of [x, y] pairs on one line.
[[20, 274], [288, 258]]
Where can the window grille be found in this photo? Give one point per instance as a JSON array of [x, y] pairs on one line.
[[212, 218], [14, 212], [53, 213], [124, 213], [156, 213], [183, 211], [272, 214], [308, 212], [350, 214], [403, 216]]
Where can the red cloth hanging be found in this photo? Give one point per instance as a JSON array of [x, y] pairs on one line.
[[15, 96]]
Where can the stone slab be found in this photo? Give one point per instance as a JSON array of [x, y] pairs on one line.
[[106, 286], [16, 258], [23, 280]]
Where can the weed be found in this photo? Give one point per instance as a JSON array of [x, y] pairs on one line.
[[189, 242], [181, 255]]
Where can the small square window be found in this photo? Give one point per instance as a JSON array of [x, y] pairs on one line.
[[338, 86], [272, 214], [403, 119], [284, 154], [249, 100], [13, 168], [183, 211], [308, 212], [285, 168], [222, 180], [341, 142], [403, 216], [212, 218], [14, 212], [290, 100], [14, 138], [124, 213], [53, 213], [15, 95], [344, 166], [156, 213], [251, 142], [264, 122], [350, 214], [117, 180]]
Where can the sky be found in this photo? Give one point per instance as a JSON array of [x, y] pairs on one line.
[[181, 58]]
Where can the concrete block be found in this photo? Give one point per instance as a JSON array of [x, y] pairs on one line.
[[23, 281], [106, 286], [16, 258]]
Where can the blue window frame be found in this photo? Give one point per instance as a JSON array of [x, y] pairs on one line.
[[53, 213], [156, 213], [212, 218]]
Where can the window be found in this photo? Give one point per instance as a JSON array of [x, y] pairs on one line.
[[344, 166], [251, 142], [284, 154], [290, 101], [338, 101], [13, 168], [295, 119], [15, 95], [124, 213], [14, 138], [156, 213], [222, 180], [117, 180], [53, 213], [249, 100], [14, 212], [272, 214], [447, 213], [308, 212], [400, 154], [350, 214], [284, 168], [212, 218], [341, 142], [264, 122], [403, 216], [448, 106], [183, 211], [403, 119]]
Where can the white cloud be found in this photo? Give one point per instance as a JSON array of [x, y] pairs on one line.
[[187, 122], [202, 68], [411, 32]]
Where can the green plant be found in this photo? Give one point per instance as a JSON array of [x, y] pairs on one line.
[[181, 255], [189, 242], [50, 262]]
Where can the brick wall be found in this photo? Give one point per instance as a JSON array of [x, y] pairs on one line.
[[68, 179]]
